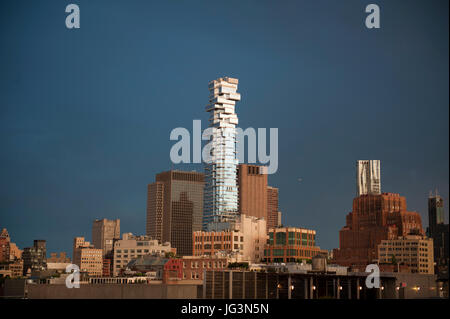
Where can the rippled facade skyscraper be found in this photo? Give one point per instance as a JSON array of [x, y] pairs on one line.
[[221, 190]]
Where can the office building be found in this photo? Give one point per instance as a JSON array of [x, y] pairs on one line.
[[374, 218], [273, 212], [368, 180], [252, 189], [291, 244], [244, 242], [104, 232], [35, 258], [131, 246], [414, 251], [174, 208], [438, 231], [221, 189], [87, 258]]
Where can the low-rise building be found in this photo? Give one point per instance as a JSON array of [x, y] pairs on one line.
[[414, 251], [131, 246], [193, 267], [12, 269], [291, 244], [87, 258], [35, 258], [60, 257], [243, 243]]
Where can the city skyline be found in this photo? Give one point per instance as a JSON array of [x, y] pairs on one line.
[[89, 150]]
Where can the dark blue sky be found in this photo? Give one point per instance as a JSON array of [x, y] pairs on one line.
[[86, 114]]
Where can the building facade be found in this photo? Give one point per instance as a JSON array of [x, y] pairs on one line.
[[273, 212], [244, 242], [252, 186], [374, 218], [35, 258], [131, 247], [291, 244], [221, 189], [8, 250], [87, 258], [439, 232], [174, 208], [12, 269], [368, 180], [58, 258], [414, 251], [194, 267], [104, 232]]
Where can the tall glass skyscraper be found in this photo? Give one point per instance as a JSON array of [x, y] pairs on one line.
[[221, 190], [368, 180]]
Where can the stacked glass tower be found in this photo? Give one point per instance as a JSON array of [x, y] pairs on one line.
[[221, 190]]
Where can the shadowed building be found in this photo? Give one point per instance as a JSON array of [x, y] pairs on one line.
[[35, 258], [438, 231], [273, 213], [174, 208], [104, 232]]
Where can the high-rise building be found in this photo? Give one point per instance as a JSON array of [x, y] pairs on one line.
[[368, 181], [439, 232], [104, 232], [414, 251], [374, 218], [221, 190], [291, 244], [174, 208], [435, 212], [87, 258], [252, 186], [273, 213], [35, 258]]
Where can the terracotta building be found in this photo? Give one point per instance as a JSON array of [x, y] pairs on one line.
[[174, 208], [8, 250], [374, 218]]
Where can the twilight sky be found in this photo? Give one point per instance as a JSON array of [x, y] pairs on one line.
[[85, 115]]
